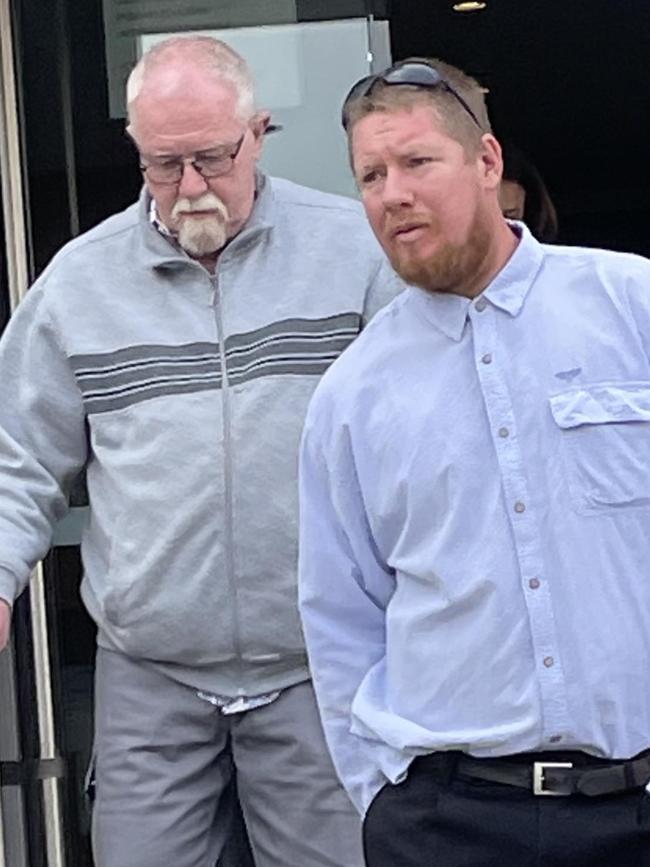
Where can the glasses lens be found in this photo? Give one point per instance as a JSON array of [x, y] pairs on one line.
[[212, 167], [219, 164], [164, 174]]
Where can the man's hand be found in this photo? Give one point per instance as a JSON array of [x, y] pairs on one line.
[[5, 623]]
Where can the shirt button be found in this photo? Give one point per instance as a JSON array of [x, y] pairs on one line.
[[481, 304], [520, 507], [504, 432], [534, 583], [487, 358], [549, 662], [555, 739]]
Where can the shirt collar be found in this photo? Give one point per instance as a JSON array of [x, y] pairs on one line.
[[507, 291], [510, 287], [156, 222], [446, 311]]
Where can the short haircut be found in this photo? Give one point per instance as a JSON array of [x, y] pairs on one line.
[[454, 117], [204, 52]]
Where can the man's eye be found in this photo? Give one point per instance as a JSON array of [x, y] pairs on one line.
[[213, 159], [414, 162], [163, 164], [368, 178]]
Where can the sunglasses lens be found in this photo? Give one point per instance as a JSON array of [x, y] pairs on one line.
[[361, 88], [415, 74]]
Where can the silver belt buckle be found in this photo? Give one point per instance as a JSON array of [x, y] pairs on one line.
[[538, 777]]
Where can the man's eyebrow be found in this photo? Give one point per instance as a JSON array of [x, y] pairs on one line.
[[420, 144], [160, 157], [218, 148], [367, 165]]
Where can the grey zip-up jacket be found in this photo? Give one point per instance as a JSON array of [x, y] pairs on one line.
[[184, 396]]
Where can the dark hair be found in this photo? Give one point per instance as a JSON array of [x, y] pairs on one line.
[[539, 212]]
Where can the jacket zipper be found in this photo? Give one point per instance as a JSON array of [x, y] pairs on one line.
[[228, 479]]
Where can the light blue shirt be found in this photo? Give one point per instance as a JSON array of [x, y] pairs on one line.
[[475, 543]]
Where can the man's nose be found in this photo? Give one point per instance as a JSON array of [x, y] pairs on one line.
[[397, 191], [192, 182]]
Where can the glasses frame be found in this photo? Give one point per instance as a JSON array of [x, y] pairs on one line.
[[180, 164], [411, 73]]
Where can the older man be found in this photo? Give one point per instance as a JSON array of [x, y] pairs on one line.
[[476, 515], [172, 351]]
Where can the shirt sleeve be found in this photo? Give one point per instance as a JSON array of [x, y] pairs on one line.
[[385, 286], [344, 590], [638, 293], [42, 440]]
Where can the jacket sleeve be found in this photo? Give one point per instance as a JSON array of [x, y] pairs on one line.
[[343, 588], [384, 286], [42, 439]]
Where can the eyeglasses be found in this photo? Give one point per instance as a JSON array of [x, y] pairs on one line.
[[208, 165], [413, 73]]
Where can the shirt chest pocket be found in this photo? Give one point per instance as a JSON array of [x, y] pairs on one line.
[[605, 439]]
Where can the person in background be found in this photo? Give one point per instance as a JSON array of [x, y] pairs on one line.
[[475, 515], [523, 195], [171, 352]]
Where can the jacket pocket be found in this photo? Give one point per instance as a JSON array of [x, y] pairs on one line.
[[605, 438]]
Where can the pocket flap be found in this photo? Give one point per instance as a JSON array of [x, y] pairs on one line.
[[605, 403]]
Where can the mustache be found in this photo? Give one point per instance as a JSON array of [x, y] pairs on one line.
[[395, 225], [206, 202]]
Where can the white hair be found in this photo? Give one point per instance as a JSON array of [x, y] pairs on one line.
[[212, 55]]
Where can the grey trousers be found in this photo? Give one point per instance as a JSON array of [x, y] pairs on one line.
[[164, 759]]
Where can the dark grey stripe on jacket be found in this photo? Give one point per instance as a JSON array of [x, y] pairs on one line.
[[115, 380]]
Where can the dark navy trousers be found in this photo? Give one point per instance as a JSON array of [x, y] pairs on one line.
[[437, 818]]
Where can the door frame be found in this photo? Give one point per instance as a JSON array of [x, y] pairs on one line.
[[43, 771]]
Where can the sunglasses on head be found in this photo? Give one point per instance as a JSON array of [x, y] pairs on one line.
[[414, 73]]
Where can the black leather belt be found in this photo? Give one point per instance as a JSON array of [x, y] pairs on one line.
[[561, 777]]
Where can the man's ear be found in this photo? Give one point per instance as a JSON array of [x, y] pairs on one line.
[[490, 161], [260, 122], [258, 125]]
